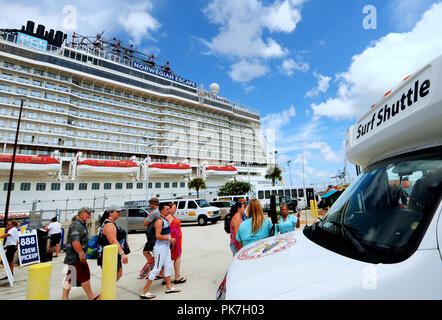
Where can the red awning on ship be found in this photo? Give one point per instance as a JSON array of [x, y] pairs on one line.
[[28, 159]]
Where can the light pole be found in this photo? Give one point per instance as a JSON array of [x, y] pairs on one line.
[[11, 172], [290, 172], [147, 169]]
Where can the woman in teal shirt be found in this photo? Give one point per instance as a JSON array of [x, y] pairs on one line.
[[288, 222], [256, 227]]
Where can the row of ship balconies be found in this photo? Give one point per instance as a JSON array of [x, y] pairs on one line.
[[111, 96], [105, 114]]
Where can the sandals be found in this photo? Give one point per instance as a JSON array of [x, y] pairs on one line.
[[97, 297], [180, 280], [147, 295], [173, 290], [158, 277]]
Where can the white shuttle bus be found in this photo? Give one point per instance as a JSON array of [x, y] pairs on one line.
[[382, 239], [302, 195]]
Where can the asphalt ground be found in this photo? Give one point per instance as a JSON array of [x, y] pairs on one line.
[[206, 257]]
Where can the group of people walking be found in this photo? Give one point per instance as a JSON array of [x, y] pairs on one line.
[[165, 254], [253, 226]]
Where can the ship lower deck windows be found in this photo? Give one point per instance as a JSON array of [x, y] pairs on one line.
[[69, 186], [41, 186], [82, 186], [95, 186], [107, 186], [157, 185], [140, 185], [129, 185], [25, 186], [55, 186], [118, 186], [5, 186]]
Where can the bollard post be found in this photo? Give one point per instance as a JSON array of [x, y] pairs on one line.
[[39, 282], [109, 277], [2, 232]]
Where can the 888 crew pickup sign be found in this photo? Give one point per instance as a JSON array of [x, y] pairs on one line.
[[28, 249]]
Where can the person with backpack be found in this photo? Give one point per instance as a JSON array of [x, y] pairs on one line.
[[150, 220], [111, 233], [161, 253], [236, 217]]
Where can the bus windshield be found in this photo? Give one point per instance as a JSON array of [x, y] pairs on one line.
[[388, 205]]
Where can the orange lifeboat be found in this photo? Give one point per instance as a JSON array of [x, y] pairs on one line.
[[216, 171], [29, 164], [161, 169], [98, 167]]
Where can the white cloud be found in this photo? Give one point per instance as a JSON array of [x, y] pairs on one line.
[[92, 17], [405, 13], [275, 121], [289, 66], [242, 25], [244, 71], [323, 84], [382, 65], [138, 22]]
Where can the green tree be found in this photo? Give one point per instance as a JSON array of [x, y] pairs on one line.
[[197, 184], [233, 188], [274, 173]]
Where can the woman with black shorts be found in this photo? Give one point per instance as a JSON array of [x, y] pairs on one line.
[[11, 243]]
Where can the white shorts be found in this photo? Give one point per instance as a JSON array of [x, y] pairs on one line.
[[161, 254]]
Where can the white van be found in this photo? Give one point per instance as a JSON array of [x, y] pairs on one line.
[[195, 210], [382, 239]]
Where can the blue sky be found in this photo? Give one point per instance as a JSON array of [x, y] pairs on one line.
[[311, 67]]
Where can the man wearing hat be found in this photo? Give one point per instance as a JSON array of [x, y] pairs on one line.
[[76, 248]]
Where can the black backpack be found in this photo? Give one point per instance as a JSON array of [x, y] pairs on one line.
[[150, 234], [227, 220]]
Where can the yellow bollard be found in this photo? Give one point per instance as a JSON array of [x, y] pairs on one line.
[[39, 282], [23, 229], [316, 208], [2, 232], [109, 277], [312, 208]]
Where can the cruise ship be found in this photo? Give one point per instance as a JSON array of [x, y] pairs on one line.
[[104, 124]]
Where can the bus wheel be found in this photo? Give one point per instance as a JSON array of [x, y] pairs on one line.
[[202, 220]]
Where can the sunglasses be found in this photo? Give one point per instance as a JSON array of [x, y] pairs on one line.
[[242, 202]]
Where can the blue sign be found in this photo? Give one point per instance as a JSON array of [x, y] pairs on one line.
[[31, 42], [28, 249], [157, 72]]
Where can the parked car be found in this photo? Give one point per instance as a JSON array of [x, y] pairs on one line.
[[135, 218], [224, 207], [195, 210]]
